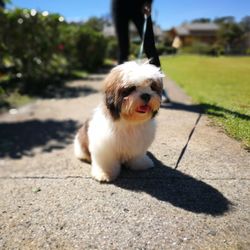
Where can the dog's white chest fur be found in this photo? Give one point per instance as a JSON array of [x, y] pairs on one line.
[[125, 141]]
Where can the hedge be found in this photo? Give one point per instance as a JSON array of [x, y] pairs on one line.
[[40, 46]]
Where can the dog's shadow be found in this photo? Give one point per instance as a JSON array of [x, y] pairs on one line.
[[172, 186]]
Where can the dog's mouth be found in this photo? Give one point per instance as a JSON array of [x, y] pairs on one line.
[[143, 109]]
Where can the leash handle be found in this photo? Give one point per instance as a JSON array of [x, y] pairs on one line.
[[143, 37]]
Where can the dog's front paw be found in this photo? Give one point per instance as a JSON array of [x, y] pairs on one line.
[[142, 162], [104, 176], [101, 176]]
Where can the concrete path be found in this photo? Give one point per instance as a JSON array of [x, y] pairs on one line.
[[196, 198]]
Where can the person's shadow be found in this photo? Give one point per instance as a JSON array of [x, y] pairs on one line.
[[205, 108], [172, 186]]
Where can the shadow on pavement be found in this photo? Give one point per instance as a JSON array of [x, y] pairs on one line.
[[206, 108], [195, 108], [65, 92], [172, 186], [18, 139]]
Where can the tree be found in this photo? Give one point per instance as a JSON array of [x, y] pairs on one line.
[[245, 23], [3, 3], [95, 23], [225, 19], [201, 20], [231, 36]]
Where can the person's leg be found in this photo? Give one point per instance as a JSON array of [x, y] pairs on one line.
[[121, 20], [149, 44], [149, 41]]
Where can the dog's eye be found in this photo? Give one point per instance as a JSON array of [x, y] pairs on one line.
[[154, 86], [127, 91]]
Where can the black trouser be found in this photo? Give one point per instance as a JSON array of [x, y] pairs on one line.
[[131, 10]]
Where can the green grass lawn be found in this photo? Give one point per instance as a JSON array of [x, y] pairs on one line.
[[220, 84]]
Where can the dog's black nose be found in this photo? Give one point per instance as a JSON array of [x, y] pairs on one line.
[[145, 97]]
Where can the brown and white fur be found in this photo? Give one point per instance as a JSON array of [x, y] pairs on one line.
[[122, 126]]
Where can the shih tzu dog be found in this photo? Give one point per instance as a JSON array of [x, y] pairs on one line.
[[122, 126]]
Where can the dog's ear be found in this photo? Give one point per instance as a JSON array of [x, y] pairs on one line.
[[111, 89], [112, 106]]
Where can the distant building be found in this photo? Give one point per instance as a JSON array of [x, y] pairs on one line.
[[108, 30], [193, 32]]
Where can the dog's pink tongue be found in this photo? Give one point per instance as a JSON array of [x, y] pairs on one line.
[[143, 109]]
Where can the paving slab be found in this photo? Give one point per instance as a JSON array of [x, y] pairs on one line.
[[197, 196]]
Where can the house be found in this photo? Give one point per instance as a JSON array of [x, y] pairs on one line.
[[108, 30], [188, 33]]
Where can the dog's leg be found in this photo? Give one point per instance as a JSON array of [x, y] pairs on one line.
[[141, 162], [79, 150], [105, 170], [81, 143]]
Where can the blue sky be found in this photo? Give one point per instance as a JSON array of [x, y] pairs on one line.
[[166, 13]]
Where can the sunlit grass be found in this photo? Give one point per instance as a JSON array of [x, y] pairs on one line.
[[79, 73], [221, 84], [16, 99]]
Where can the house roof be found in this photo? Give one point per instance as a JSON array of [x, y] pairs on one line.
[[182, 31], [187, 29], [203, 26]]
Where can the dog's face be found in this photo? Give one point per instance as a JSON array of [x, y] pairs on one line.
[[133, 91]]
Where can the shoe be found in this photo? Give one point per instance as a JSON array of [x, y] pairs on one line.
[[165, 99]]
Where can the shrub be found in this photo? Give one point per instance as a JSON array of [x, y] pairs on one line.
[[82, 46], [29, 42], [216, 50], [40, 46], [197, 48], [112, 48], [162, 49], [134, 50], [67, 44], [91, 48], [204, 49]]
